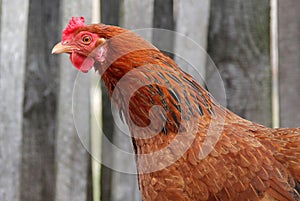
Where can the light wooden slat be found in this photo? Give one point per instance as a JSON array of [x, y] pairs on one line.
[[96, 120], [135, 14], [72, 158], [192, 19], [274, 62], [289, 62], [12, 69]]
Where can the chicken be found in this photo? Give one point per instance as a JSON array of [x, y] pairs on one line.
[[187, 146]]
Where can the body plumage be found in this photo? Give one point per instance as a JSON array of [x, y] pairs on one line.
[[188, 147]]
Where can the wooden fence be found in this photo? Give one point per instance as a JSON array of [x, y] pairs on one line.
[[41, 155]]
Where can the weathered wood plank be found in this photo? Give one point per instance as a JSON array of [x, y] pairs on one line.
[[72, 158], [12, 71], [135, 14], [110, 12], [239, 45], [192, 18], [38, 146], [289, 62]]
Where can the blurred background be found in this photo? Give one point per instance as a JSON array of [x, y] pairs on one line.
[[254, 44]]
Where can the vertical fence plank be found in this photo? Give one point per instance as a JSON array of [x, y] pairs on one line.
[[239, 45], [38, 173], [135, 14], [72, 158], [110, 11], [192, 19], [289, 62], [12, 70]]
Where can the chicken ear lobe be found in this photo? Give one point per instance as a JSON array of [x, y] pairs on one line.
[[101, 41]]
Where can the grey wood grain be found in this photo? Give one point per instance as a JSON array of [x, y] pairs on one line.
[[289, 62], [41, 81], [192, 19], [239, 45], [12, 71], [163, 18], [135, 14]]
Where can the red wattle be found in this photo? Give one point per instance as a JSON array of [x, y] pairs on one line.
[[82, 63]]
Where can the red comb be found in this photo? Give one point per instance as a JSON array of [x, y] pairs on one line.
[[74, 23]]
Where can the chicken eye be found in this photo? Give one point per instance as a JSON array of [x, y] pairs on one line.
[[86, 39]]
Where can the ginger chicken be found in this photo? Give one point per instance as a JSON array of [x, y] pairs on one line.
[[187, 146]]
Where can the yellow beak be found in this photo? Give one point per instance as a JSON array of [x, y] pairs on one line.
[[60, 48]]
